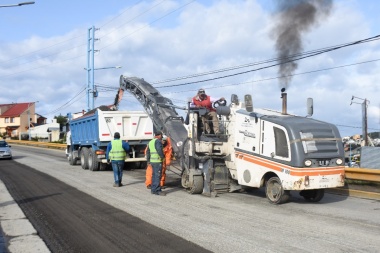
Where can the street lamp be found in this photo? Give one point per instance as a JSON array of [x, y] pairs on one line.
[[16, 5], [91, 85]]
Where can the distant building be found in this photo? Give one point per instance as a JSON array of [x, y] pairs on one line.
[[16, 118]]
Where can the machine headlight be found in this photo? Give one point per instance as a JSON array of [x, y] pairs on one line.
[[339, 161], [308, 163], [179, 144]]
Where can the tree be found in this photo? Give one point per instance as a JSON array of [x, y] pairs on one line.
[[61, 120]]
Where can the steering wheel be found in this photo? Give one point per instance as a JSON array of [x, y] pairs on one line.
[[219, 103]]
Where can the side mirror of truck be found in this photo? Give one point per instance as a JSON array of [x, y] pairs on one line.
[[309, 107], [234, 99], [248, 103]]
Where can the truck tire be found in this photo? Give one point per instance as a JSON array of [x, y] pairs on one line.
[[93, 163], [274, 191], [72, 160], [314, 195], [84, 158]]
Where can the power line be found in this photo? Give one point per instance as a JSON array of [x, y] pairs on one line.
[[290, 59], [109, 21], [85, 43], [182, 6], [135, 17], [31, 53], [43, 66], [70, 102], [63, 42], [250, 64]]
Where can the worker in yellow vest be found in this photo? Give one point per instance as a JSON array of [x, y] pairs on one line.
[[155, 156], [116, 153]]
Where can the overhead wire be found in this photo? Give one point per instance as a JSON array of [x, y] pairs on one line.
[[283, 61], [130, 20], [147, 25], [127, 9], [44, 66], [250, 64], [71, 101], [63, 42], [66, 104]]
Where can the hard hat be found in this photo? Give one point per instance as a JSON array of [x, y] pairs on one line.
[[164, 137]]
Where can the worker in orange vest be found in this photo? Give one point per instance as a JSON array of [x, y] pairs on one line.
[[168, 151]]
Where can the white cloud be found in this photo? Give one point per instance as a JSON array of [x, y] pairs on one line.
[[197, 39]]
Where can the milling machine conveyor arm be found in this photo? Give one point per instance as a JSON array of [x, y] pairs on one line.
[[160, 109]]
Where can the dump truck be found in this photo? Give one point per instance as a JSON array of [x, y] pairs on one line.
[[89, 135], [256, 148]]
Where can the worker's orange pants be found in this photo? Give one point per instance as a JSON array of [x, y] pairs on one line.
[[148, 175]]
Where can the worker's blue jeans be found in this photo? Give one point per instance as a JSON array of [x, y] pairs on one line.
[[117, 167], [156, 177]]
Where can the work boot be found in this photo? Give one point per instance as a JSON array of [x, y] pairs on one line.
[[163, 187], [115, 185], [149, 186], [161, 193]]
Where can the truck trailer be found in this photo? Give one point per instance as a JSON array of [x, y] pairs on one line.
[[89, 135]]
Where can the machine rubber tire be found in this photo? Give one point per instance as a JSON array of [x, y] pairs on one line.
[[275, 192], [84, 158], [197, 186], [93, 164], [313, 195]]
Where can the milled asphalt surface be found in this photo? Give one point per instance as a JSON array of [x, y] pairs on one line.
[[16, 230], [20, 235]]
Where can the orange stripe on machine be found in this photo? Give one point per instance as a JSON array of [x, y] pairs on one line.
[[305, 171]]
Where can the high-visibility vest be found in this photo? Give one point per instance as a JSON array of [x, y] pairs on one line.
[[117, 152], [154, 156]]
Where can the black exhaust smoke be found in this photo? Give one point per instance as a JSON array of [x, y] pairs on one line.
[[294, 18]]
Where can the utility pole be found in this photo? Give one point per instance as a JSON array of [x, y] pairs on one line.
[[90, 67], [364, 105]]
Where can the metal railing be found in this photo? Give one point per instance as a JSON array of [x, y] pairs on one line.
[[363, 174]]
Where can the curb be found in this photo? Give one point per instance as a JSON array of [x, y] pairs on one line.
[[18, 234], [39, 144]]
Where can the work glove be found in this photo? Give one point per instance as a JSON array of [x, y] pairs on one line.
[[108, 161]]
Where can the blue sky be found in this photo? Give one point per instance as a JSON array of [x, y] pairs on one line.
[[44, 52]]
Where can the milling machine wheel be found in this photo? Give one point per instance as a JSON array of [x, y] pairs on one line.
[[314, 195], [274, 191]]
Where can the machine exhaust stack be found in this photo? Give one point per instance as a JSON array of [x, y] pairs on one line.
[[284, 97]]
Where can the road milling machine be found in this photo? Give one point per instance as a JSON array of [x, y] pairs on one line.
[[256, 147]]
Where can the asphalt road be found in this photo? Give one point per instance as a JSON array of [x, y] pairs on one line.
[[79, 211]]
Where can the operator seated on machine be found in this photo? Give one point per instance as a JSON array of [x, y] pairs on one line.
[[203, 100]]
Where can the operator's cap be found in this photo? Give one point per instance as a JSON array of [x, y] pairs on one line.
[[201, 91], [116, 135]]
